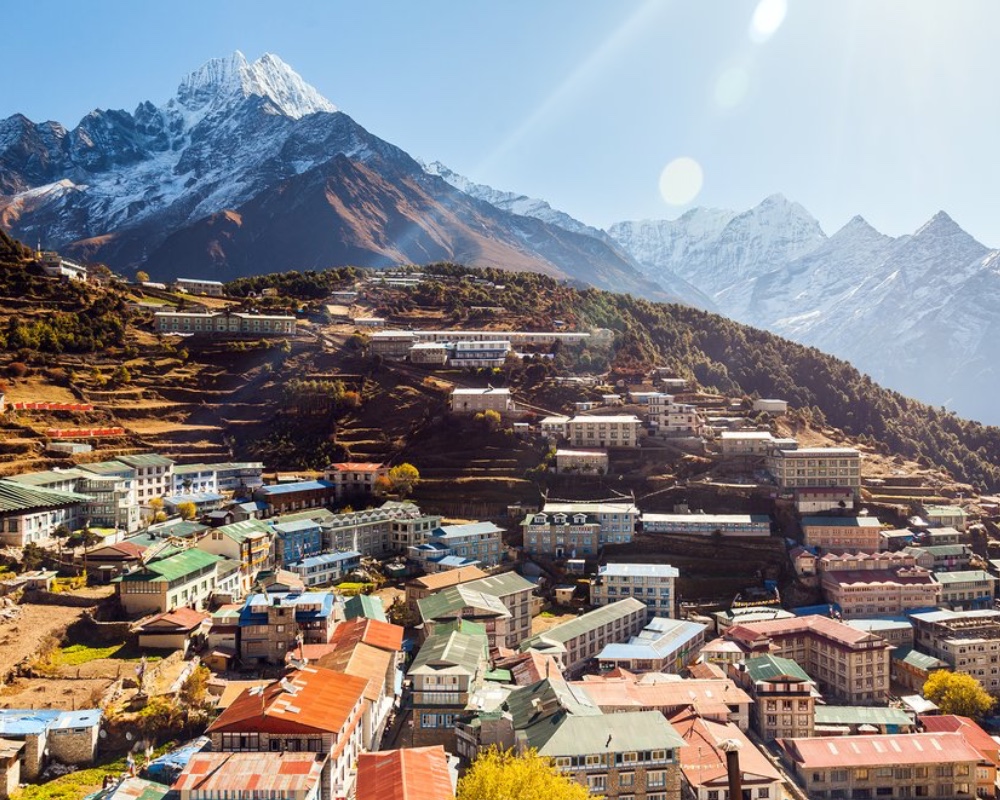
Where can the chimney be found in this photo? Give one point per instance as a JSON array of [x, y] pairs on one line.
[[731, 747]]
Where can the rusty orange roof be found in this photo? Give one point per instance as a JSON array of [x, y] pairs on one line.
[[282, 773], [176, 621], [322, 700], [373, 632], [530, 667], [706, 671], [815, 624], [878, 750], [702, 761], [708, 697], [357, 466], [417, 773], [971, 732], [450, 577], [364, 661]]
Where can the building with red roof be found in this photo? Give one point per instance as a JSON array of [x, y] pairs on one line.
[[989, 749], [419, 773], [310, 710], [941, 766], [355, 478], [247, 776]]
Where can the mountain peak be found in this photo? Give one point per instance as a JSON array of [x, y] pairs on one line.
[[220, 81], [940, 225]]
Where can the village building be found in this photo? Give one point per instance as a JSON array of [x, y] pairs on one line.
[[581, 462], [617, 518], [897, 631], [430, 353], [663, 645], [857, 534], [30, 515], [593, 432], [449, 667], [867, 592], [271, 624], [296, 540], [477, 355], [562, 535], [574, 643], [194, 478], [355, 479], [978, 739], [277, 776], [650, 584], [708, 524], [326, 568], [942, 557], [410, 526], [770, 405], [35, 738], [704, 767], [911, 668], [414, 773], [515, 592], [846, 663], [241, 477], [941, 766], [861, 720], [167, 581], [463, 603], [966, 590], [283, 498], [554, 427], [419, 588], [946, 517], [108, 561], [808, 467], [224, 323], [200, 286], [472, 401], [784, 696], [389, 344], [172, 630], [747, 444], [310, 710], [817, 499], [472, 543], [248, 543], [969, 641], [678, 420], [55, 266]]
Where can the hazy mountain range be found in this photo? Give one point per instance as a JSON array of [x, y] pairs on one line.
[[248, 169]]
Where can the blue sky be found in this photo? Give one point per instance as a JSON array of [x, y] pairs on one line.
[[885, 108]]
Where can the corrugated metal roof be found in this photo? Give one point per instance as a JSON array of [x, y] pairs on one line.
[[173, 567], [363, 605], [417, 773], [451, 600], [462, 651], [298, 486], [565, 631], [879, 750], [862, 715], [15, 497], [146, 460], [279, 773]]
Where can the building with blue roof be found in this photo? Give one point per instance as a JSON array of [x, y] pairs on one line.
[[474, 543], [270, 624], [202, 501], [67, 737], [664, 645], [284, 498], [326, 567], [297, 540], [650, 584]]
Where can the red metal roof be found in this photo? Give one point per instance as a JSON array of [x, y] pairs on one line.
[[284, 773], [879, 750], [417, 773], [972, 733], [373, 632], [701, 759], [323, 701], [357, 466], [177, 621]]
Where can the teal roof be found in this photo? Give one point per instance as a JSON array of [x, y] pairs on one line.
[[499, 675], [501, 585], [964, 576], [862, 715], [45, 477], [450, 601], [466, 652], [772, 668], [18, 497], [107, 467], [146, 460], [917, 659], [239, 532], [462, 626], [565, 631], [364, 605], [173, 567]]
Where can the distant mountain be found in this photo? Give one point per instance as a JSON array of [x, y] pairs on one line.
[[248, 169], [919, 313]]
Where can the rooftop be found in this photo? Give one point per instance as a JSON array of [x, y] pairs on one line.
[[888, 750], [296, 486], [416, 773], [566, 631], [450, 602], [452, 652], [468, 529], [770, 668], [862, 715], [661, 637], [702, 759], [173, 567], [441, 580], [272, 774], [964, 576], [638, 570], [841, 522], [15, 497]]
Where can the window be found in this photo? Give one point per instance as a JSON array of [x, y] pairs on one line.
[[598, 782], [626, 779], [656, 779]]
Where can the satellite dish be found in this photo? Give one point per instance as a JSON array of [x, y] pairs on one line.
[[103, 734], [128, 735]]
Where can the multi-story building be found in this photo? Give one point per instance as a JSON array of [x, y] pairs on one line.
[[816, 466], [561, 535], [433, 353], [248, 543], [581, 462], [224, 323], [946, 517], [310, 710], [270, 624], [911, 668], [167, 581], [703, 760], [326, 568], [283, 498], [966, 590], [621, 430], [194, 478], [664, 645], [554, 427], [393, 345], [784, 696], [354, 478], [968, 640], [515, 593], [931, 765], [448, 668], [879, 592], [719, 699], [241, 477], [463, 604], [617, 519], [404, 774], [574, 643], [474, 355], [818, 499], [650, 584], [200, 286], [472, 401], [846, 663], [980, 740], [474, 541], [941, 557], [754, 444], [679, 419], [409, 526], [708, 524], [897, 631], [277, 776], [629, 754], [296, 540], [426, 585], [858, 534]]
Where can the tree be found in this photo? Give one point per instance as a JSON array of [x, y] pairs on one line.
[[187, 509], [121, 376], [382, 486], [403, 478], [958, 693], [498, 775], [141, 277]]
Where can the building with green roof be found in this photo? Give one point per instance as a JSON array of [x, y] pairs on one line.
[[461, 602], [249, 542], [31, 515], [364, 605], [625, 754], [449, 667], [783, 693], [833, 720], [169, 580], [577, 641]]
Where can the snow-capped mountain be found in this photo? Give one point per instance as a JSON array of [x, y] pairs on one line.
[[919, 313], [181, 187]]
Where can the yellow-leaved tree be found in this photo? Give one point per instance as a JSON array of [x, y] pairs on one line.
[[403, 478], [958, 693], [504, 775]]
